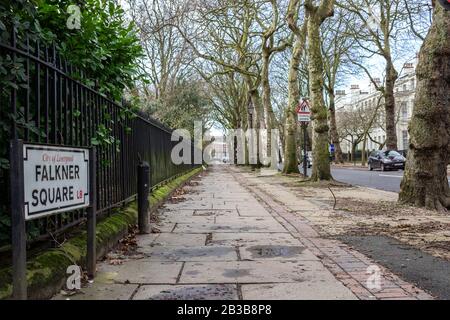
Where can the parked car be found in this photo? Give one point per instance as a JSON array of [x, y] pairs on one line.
[[386, 160]]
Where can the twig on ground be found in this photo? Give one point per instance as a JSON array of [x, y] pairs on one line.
[[335, 200]]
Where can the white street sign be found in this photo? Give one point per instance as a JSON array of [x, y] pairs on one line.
[[56, 179]]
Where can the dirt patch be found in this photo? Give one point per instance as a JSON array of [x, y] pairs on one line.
[[426, 230], [320, 184], [380, 208]]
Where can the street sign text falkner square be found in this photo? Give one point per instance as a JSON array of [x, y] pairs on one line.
[[56, 179]]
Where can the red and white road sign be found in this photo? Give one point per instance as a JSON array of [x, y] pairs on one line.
[[304, 111]]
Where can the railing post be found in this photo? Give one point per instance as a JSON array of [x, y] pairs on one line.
[[143, 188], [92, 216], [18, 232]]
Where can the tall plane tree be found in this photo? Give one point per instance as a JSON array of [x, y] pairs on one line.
[[317, 14], [425, 183], [290, 131]]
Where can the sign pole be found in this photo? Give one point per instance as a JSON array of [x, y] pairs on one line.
[[304, 114], [18, 232], [305, 149], [92, 216]]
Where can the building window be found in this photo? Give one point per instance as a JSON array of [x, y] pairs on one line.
[[405, 88], [405, 140], [404, 107], [413, 84]]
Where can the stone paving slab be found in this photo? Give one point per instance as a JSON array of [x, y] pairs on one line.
[[230, 226], [250, 206], [276, 252], [250, 212], [196, 219], [186, 205], [242, 239], [255, 272], [187, 292], [312, 290], [166, 226], [140, 271], [200, 253], [110, 291], [217, 212], [172, 239]]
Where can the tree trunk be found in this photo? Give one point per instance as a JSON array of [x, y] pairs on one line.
[[258, 123], [334, 136], [354, 153], [290, 138], [363, 153], [321, 157], [425, 183], [391, 132], [267, 103]]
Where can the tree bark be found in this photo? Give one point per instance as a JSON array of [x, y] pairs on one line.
[[334, 135], [425, 183], [363, 153], [290, 139], [391, 131], [354, 145], [321, 157], [267, 103], [258, 120]]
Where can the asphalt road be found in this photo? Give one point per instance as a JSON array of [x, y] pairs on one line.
[[387, 181]]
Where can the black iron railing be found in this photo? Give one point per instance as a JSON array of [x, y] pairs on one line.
[[45, 103]]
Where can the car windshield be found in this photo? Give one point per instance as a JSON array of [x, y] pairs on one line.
[[391, 154]]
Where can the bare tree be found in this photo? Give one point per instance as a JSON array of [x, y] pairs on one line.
[[336, 45], [269, 48], [168, 57], [355, 126], [380, 23]]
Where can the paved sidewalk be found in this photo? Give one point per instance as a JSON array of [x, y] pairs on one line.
[[231, 239]]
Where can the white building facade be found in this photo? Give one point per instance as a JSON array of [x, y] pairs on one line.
[[404, 93]]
